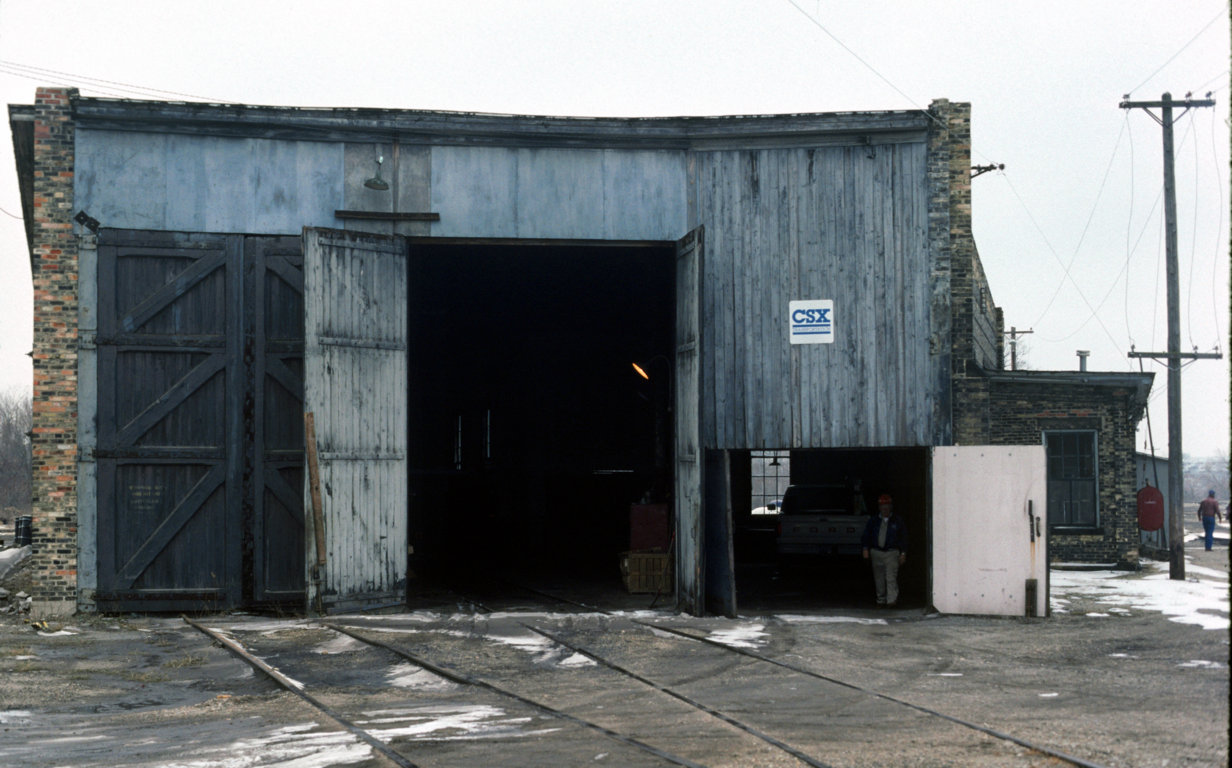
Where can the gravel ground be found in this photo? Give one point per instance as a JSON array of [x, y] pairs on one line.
[[1110, 679]]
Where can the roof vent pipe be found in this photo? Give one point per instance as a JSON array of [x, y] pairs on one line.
[[1083, 354]]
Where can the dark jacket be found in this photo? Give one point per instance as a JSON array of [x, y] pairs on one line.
[[896, 533]]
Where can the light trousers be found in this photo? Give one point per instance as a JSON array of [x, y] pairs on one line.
[[885, 574]]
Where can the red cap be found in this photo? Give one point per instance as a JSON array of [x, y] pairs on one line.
[[884, 499]]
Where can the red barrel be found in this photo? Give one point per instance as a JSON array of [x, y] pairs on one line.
[[1150, 509]]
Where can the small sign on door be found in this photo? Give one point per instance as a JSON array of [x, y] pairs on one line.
[[811, 322]]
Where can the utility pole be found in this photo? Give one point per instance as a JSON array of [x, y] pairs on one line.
[[1176, 528], [1014, 333]]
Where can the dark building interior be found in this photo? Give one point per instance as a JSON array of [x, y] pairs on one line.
[[768, 582], [530, 431]]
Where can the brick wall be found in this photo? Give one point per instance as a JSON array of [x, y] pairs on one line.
[[1019, 412], [54, 273], [963, 255], [941, 241]]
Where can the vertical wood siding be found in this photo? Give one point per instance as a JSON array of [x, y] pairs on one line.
[[842, 223], [690, 527], [591, 194], [356, 385], [206, 183]]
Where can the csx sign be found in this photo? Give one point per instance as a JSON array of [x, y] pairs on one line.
[[811, 322]]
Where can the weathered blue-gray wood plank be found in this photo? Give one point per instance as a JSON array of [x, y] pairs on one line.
[[690, 526], [558, 193], [355, 382], [207, 183], [833, 222]]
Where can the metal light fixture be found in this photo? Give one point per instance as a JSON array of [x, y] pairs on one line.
[[376, 182]]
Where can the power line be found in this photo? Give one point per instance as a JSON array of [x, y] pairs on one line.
[[858, 58], [1222, 13], [1129, 226], [1081, 295], [42, 79], [1218, 231], [1220, 76], [1090, 217], [1193, 247], [20, 69]]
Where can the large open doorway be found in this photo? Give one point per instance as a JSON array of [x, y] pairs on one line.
[[530, 431], [829, 572]]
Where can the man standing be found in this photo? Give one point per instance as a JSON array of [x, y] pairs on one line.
[[885, 545], [1208, 511]]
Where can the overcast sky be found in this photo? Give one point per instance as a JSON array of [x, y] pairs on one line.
[[1070, 234]]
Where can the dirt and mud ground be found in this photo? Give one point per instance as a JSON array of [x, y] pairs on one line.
[[1120, 686]]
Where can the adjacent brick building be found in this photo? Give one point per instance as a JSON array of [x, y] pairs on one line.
[[1088, 421]]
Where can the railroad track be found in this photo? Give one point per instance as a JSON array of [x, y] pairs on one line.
[[593, 686]]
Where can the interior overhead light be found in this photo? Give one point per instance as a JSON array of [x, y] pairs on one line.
[[376, 182]]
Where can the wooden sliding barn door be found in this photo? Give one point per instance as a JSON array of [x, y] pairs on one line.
[[355, 385]]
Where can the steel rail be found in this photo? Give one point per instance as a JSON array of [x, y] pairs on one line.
[[239, 650], [956, 720], [1072, 759], [802, 757], [466, 680]]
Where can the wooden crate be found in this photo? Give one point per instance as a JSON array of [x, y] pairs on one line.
[[646, 571]]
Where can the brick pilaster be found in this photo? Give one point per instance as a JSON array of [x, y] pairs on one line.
[[962, 239], [940, 274], [54, 273]]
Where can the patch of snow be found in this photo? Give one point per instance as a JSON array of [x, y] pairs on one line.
[[528, 642], [748, 636], [473, 721], [1201, 664], [270, 626], [58, 633], [1202, 601], [945, 674], [410, 676], [340, 644], [424, 616], [14, 716], [288, 747], [641, 614], [544, 650], [1098, 615], [1202, 570], [548, 615], [1048, 695], [790, 618]]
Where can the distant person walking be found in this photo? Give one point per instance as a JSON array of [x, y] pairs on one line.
[[885, 546], [1208, 512]]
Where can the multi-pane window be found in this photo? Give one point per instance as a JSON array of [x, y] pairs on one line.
[[1072, 469], [771, 473]]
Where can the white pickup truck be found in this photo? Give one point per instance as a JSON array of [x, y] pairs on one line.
[[822, 519]]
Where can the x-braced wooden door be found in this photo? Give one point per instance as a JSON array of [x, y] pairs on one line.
[[200, 438], [169, 457], [274, 421]]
